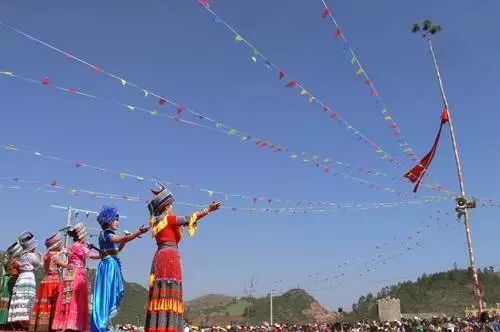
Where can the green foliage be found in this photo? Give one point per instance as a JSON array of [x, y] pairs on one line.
[[427, 27], [448, 292], [289, 307]]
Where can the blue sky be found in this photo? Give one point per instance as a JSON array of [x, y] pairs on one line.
[[175, 49]]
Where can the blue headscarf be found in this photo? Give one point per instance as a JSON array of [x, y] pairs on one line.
[[107, 215]]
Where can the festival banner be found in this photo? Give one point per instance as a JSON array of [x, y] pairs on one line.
[[218, 124], [123, 174], [365, 266], [333, 115], [361, 72], [255, 54], [261, 143], [55, 186]]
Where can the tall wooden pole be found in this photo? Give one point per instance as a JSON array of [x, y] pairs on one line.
[[463, 209]]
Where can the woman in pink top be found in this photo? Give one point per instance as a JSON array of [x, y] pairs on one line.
[[72, 308]]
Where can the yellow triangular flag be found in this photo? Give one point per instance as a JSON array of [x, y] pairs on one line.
[[311, 99], [8, 73], [360, 71], [153, 112], [122, 175], [146, 93], [131, 108], [303, 92]]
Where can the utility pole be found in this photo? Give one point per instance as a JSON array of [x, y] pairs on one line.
[[250, 291], [271, 308], [462, 203]]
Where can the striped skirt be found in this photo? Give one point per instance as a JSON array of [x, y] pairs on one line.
[[7, 283], [165, 308], [23, 298], [45, 304]]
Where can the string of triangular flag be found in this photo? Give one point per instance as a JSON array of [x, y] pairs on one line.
[[219, 124], [294, 83], [303, 157], [369, 265], [361, 71], [55, 186], [210, 192]]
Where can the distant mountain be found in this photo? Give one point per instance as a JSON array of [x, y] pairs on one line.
[[445, 292], [295, 306]]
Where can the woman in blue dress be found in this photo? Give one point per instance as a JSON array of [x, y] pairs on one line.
[[109, 285]]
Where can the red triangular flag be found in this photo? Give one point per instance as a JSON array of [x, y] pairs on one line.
[[325, 13], [162, 101], [46, 81], [291, 84], [417, 173], [281, 74], [204, 3], [54, 183], [180, 110], [338, 33], [325, 109], [72, 90]]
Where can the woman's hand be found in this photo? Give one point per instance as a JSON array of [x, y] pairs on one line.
[[143, 229], [214, 206]]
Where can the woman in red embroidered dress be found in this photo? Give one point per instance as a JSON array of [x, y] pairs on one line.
[[45, 303], [165, 306]]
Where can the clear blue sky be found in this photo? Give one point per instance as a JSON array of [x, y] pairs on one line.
[[174, 48]]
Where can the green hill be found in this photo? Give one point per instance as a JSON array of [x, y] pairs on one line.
[[293, 306], [447, 292]]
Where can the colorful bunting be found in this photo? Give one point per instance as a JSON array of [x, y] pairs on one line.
[[162, 100], [124, 175], [403, 144]]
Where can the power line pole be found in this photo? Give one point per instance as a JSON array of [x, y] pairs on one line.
[[462, 203], [250, 290], [271, 309]]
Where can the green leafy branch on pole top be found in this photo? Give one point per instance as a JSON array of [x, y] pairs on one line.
[[427, 28]]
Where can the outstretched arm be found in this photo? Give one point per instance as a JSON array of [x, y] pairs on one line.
[[124, 239], [214, 206]]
